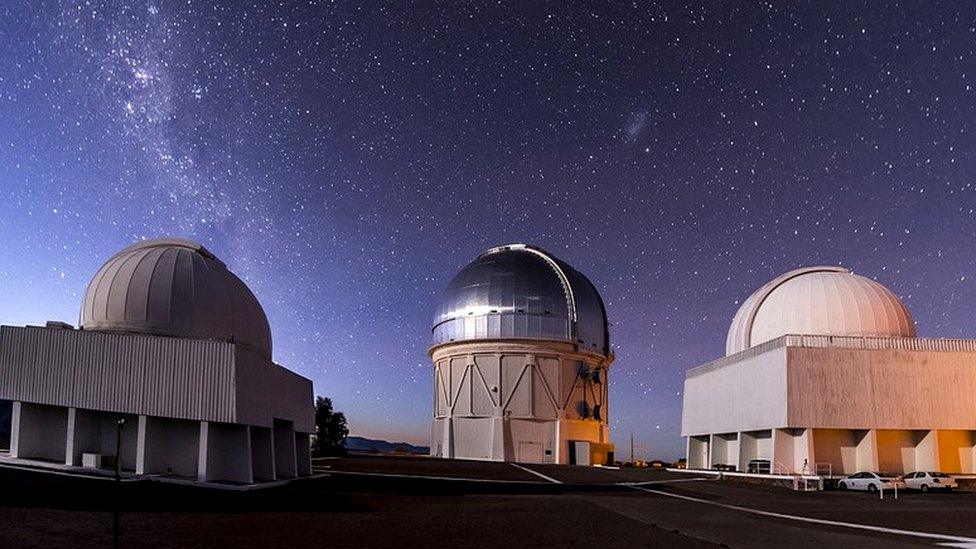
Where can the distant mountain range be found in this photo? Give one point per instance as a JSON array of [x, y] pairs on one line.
[[360, 444]]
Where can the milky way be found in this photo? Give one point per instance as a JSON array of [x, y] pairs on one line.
[[347, 159]]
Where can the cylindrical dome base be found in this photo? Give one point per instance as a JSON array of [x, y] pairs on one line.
[[520, 400]]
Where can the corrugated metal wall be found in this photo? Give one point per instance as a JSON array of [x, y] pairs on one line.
[[266, 391], [159, 376]]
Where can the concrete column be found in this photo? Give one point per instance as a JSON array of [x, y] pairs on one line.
[[782, 450], [498, 437], [733, 455], [557, 449], [303, 455], [262, 453], [742, 455], [284, 445], [449, 435], [867, 451], [808, 453], [202, 449], [927, 452], [141, 446], [711, 448], [69, 441], [15, 430]]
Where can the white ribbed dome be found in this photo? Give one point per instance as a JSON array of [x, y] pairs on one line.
[[821, 301], [177, 288]]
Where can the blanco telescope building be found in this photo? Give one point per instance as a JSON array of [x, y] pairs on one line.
[[824, 374], [521, 353], [179, 348]]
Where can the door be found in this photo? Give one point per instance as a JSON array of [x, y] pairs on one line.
[[529, 452]]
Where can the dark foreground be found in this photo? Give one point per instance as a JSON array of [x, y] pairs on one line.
[[484, 505]]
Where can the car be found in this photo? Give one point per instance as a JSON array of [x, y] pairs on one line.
[[871, 481], [723, 467], [759, 466], [930, 480], [658, 464]]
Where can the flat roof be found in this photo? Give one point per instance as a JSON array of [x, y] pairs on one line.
[[840, 342]]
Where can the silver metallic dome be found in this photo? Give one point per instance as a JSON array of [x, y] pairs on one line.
[[522, 292], [177, 288]]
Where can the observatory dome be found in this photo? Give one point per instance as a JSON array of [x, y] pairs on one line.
[[821, 301], [521, 292], [174, 287]]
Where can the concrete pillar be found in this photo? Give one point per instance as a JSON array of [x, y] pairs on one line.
[[804, 453], [449, 436], [69, 441], [284, 447], [557, 442], [927, 452], [711, 448], [203, 445], [141, 446], [262, 453], [303, 455], [782, 450], [867, 451], [15, 430], [745, 451]]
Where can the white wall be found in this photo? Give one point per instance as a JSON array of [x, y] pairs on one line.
[[754, 445], [745, 395], [724, 450], [228, 452], [96, 432], [171, 446], [473, 438], [40, 432]]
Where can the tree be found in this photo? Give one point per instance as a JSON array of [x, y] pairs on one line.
[[330, 429]]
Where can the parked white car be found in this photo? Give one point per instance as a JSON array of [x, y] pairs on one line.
[[871, 481], [930, 480]]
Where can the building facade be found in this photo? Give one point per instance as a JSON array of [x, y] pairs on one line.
[[824, 375], [521, 354], [178, 349]]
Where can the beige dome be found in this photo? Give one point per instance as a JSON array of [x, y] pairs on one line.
[[821, 301], [177, 288]]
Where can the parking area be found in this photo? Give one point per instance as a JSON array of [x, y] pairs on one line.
[[368, 501], [488, 470]]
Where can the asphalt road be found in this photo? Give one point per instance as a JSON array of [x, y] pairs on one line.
[[406, 502]]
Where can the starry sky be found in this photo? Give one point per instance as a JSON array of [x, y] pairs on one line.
[[346, 159]]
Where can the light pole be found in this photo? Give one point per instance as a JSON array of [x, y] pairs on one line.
[[118, 482]]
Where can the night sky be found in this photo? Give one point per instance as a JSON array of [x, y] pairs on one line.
[[346, 160]]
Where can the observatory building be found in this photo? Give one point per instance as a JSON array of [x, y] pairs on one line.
[[521, 353], [824, 374], [179, 348]]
